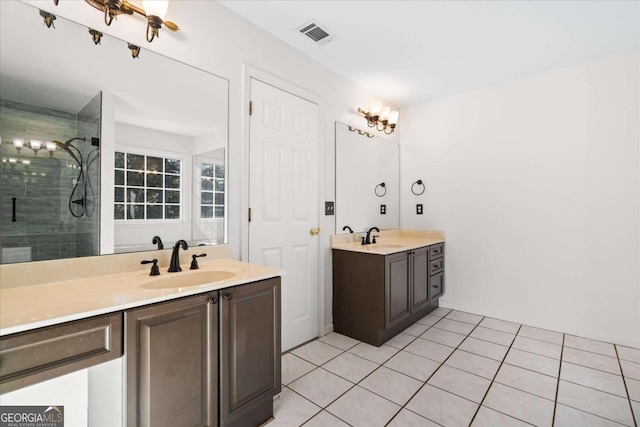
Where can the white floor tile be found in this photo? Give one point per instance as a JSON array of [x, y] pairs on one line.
[[400, 341], [440, 312], [500, 325], [529, 381], [591, 360], [335, 339], [567, 416], [294, 367], [633, 386], [317, 352], [360, 407], [442, 407], [519, 404], [429, 320], [538, 347], [636, 409], [496, 337], [325, 419], [487, 417], [630, 369], [552, 337], [391, 385], [374, 354], [595, 402], [628, 353], [533, 362], [461, 316], [484, 348], [320, 386], [429, 349], [474, 364], [443, 337], [454, 326], [350, 367], [406, 418], [291, 410], [593, 378], [416, 329], [410, 364], [460, 383], [585, 344]]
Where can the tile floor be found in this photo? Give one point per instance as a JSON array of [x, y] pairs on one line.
[[459, 369]]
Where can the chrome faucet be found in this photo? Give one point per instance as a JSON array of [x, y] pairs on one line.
[[367, 240], [174, 265]]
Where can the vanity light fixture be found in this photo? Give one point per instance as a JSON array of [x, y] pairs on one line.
[[18, 143], [51, 147], [96, 36], [48, 18], [135, 50], [36, 145], [382, 118], [360, 132]]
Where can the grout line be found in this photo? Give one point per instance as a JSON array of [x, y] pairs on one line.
[[617, 423], [633, 416], [555, 402], [494, 378], [322, 408], [595, 369]]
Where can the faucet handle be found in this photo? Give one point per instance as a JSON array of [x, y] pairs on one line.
[[155, 271], [374, 239], [362, 242], [194, 261]]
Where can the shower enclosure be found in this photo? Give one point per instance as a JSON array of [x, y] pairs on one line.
[[49, 182]]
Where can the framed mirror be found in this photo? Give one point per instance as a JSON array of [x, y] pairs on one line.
[[367, 181], [100, 151]]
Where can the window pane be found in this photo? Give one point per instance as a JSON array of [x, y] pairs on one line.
[[172, 166], [135, 178], [118, 212], [154, 164], [206, 212], [219, 198], [171, 181], [119, 163], [219, 211], [206, 198], [172, 196], [135, 211], [172, 212], [154, 196], [135, 195], [119, 194], [207, 169], [135, 161], [154, 180], [219, 171], [154, 211], [207, 184], [119, 177], [219, 184]]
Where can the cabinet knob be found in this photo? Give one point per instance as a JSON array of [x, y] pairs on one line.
[[228, 297], [213, 300]]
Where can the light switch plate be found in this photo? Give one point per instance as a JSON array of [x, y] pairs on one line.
[[383, 209], [419, 209], [329, 208]]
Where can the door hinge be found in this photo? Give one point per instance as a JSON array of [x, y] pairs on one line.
[[251, 108], [249, 214]]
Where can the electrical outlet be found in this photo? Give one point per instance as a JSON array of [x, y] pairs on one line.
[[329, 208], [383, 209], [419, 209]]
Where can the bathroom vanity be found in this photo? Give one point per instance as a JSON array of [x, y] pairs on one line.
[[381, 289], [204, 354]]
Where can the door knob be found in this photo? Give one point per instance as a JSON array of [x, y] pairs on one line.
[[314, 231]]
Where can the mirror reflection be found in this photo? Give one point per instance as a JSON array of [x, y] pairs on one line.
[[367, 181], [101, 152]]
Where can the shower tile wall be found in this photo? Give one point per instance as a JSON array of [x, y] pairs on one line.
[[44, 228]]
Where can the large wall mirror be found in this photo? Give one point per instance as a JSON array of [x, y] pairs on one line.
[[367, 181], [100, 151]]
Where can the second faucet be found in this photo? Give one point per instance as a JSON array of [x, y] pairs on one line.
[[174, 265]]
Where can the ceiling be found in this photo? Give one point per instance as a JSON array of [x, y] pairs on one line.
[[413, 51]]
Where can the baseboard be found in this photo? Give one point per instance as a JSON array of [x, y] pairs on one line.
[[328, 329]]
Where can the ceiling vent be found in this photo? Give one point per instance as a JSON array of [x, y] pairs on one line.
[[316, 32]]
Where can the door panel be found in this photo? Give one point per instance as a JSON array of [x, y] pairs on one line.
[[420, 279], [283, 197], [397, 283]]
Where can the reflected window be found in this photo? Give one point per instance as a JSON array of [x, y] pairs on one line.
[[147, 187], [212, 187]]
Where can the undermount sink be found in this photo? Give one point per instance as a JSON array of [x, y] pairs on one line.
[[387, 246], [188, 278]]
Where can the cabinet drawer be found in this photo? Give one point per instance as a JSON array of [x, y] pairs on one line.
[[31, 357], [436, 266], [436, 251], [436, 285]]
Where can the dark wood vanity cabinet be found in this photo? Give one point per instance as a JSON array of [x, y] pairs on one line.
[[376, 296], [206, 360]]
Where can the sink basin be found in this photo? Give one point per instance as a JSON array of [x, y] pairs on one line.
[[387, 246], [185, 279]]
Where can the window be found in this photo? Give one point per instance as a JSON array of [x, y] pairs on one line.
[[211, 190], [147, 187]]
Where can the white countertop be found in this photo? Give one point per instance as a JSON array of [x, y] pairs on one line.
[[37, 305], [389, 241]]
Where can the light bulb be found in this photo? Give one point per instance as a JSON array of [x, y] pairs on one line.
[[384, 115], [18, 143], [393, 117], [51, 147], [13, 161], [155, 7], [26, 162], [35, 144], [374, 108]]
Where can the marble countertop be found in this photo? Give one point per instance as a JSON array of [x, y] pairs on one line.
[[389, 241], [33, 306]]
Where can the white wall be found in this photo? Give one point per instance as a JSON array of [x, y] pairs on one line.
[[536, 183]]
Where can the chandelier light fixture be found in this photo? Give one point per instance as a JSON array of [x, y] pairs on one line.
[[382, 118]]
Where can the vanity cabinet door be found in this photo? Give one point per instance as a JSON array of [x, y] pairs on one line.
[[397, 289], [171, 363], [249, 352], [420, 278]]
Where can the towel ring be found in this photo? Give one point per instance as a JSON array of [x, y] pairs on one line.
[[383, 191], [419, 184]]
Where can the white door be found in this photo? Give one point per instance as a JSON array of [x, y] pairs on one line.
[[283, 198]]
